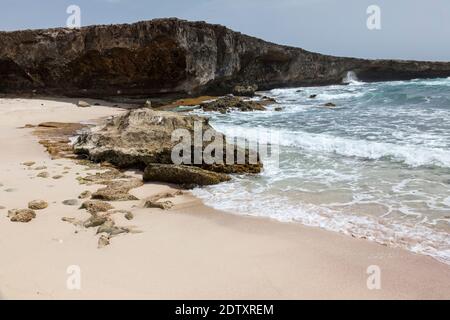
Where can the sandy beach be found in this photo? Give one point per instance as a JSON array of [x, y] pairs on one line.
[[188, 252]]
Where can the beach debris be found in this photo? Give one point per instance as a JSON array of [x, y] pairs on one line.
[[70, 202], [83, 104], [103, 241], [37, 205], [44, 174], [21, 215], [96, 206], [85, 194]]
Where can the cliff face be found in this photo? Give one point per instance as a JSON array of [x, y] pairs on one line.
[[169, 56]]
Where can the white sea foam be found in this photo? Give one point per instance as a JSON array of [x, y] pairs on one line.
[[412, 155]]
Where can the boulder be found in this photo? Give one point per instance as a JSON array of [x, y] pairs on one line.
[[141, 137], [37, 205], [183, 175], [21, 215]]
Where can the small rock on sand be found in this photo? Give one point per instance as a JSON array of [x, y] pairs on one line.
[[83, 104], [10, 190], [95, 206], [129, 216], [163, 205], [85, 194], [2, 208], [29, 163], [44, 174], [21, 215], [40, 168], [329, 104], [103, 241], [57, 177], [37, 205], [70, 202]]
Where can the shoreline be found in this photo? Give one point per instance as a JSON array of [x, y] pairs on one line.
[[190, 252]]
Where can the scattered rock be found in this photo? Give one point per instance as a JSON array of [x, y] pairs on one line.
[[83, 104], [180, 174], [95, 221], [85, 194], [278, 109], [29, 163], [313, 96], [96, 206], [58, 176], [129, 215], [117, 190], [40, 168], [2, 208], [44, 174], [37, 205], [329, 104], [103, 241], [163, 205], [73, 221], [70, 202], [21, 215], [245, 90]]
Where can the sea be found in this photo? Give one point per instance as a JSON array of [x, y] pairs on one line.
[[376, 166]]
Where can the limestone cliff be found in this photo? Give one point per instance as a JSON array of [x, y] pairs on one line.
[[171, 56]]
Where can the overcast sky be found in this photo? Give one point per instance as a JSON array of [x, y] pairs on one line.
[[410, 29]]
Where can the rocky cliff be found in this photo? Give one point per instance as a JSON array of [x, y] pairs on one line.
[[171, 56]]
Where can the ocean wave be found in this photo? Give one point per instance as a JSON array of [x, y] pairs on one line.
[[412, 155]]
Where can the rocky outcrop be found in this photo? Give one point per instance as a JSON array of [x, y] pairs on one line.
[[142, 137], [171, 56], [229, 103]]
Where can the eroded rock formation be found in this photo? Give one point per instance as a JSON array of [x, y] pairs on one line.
[[171, 56]]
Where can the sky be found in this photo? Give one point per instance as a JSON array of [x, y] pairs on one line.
[[409, 29]]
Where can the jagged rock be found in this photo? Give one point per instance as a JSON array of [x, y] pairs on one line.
[[21, 215], [228, 103], [103, 241], [163, 205], [175, 56], [70, 202], [83, 104], [129, 215], [95, 221], [44, 174], [143, 136], [110, 194], [96, 206], [85, 194], [180, 174], [37, 205], [246, 91]]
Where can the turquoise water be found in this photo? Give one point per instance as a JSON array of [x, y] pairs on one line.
[[376, 166]]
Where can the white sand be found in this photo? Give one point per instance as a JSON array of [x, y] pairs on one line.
[[188, 252]]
